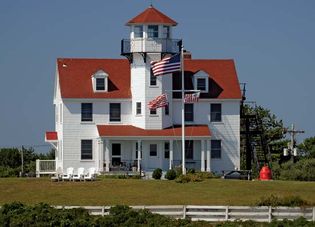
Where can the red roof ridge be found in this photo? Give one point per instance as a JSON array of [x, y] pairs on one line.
[[151, 15]]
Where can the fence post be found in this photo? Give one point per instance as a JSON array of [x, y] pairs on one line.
[[37, 168], [313, 213], [269, 214], [184, 211], [103, 208], [226, 213]]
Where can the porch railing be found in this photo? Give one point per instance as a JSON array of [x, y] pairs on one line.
[[45, 167]]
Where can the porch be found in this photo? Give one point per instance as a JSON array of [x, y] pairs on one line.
[[128, 148]]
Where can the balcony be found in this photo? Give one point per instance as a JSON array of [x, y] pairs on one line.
[[156, 45]]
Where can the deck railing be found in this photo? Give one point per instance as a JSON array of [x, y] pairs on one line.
[[156, 45], [45, 167]]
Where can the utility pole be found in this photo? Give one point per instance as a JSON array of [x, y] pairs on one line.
[[22, 162], [292, 144]]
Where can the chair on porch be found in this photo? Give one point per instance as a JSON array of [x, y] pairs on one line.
[[68, 175], [91, 175], [80, 175]]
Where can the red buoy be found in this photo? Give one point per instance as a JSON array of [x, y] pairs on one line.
[[265, 173]]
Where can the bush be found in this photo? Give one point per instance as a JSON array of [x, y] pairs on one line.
[[157, 174], [188, 178], [303, 170], [170, 174], [290, 201], [178, 170]]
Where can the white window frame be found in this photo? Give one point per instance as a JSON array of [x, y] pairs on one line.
[[100, 74], [201, 75]]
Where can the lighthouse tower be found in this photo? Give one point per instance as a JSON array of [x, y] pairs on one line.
[[150, 40]]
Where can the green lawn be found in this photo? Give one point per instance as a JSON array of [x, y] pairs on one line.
[[148, 192]]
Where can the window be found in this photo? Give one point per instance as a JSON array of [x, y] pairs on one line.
[[138, 31], [86, 112], [201, 81], [86, 149], [138, 108], [167, 111], [166, 150], [116, 154], [153, 31], [100, 81], [100, 84], [215, 148], [189, 149], [189, 112], [153, 112], [166, 32], [216, 112], [201, 84], [114, 112], [153, 149], [152, 79]]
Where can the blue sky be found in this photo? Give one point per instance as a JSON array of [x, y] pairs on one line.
[[272, 43]]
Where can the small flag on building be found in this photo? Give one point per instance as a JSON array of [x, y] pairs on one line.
[[160, 101], [190, 98], [166, 65]]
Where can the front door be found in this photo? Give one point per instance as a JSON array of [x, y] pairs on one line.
[[116, 154], [154, 161]]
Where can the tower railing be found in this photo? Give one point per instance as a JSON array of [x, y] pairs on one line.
[[147, 45]]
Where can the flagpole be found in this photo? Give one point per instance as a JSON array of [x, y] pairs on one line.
[[183, 110]]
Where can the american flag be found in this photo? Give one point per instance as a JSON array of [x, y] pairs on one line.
[[160, 101], [190, 98], [166, 65]]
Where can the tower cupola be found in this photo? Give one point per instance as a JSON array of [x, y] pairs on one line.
[[150, 32]]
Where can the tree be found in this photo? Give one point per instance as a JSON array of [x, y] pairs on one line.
[[307, 148], [259, 128]]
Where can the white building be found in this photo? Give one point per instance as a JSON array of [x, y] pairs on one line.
[[102, 117]]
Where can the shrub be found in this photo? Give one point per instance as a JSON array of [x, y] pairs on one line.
[[188, 178], [170, 174], [290, 201], [157, 174], [178, 170], [206, 175]]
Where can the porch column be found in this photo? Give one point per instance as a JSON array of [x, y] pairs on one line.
[[202, 155], [101, 155], [139, 155], [107, 155], [171, 154], [208, 156]]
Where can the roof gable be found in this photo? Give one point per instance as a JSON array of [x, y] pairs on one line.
[[152, 16]]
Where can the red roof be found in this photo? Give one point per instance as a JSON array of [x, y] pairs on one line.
[[223, 81], [132, 131], [152, 16], [51, 136], [75, 77]]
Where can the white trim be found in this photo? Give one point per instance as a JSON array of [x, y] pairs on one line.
[[100, 74], [201, 75]]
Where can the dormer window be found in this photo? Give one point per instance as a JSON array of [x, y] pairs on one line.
[[201, 82], [100, 81]]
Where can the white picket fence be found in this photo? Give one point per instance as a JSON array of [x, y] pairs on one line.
[[217, 213]]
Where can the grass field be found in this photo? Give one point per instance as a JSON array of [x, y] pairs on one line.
[[148, 192]]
